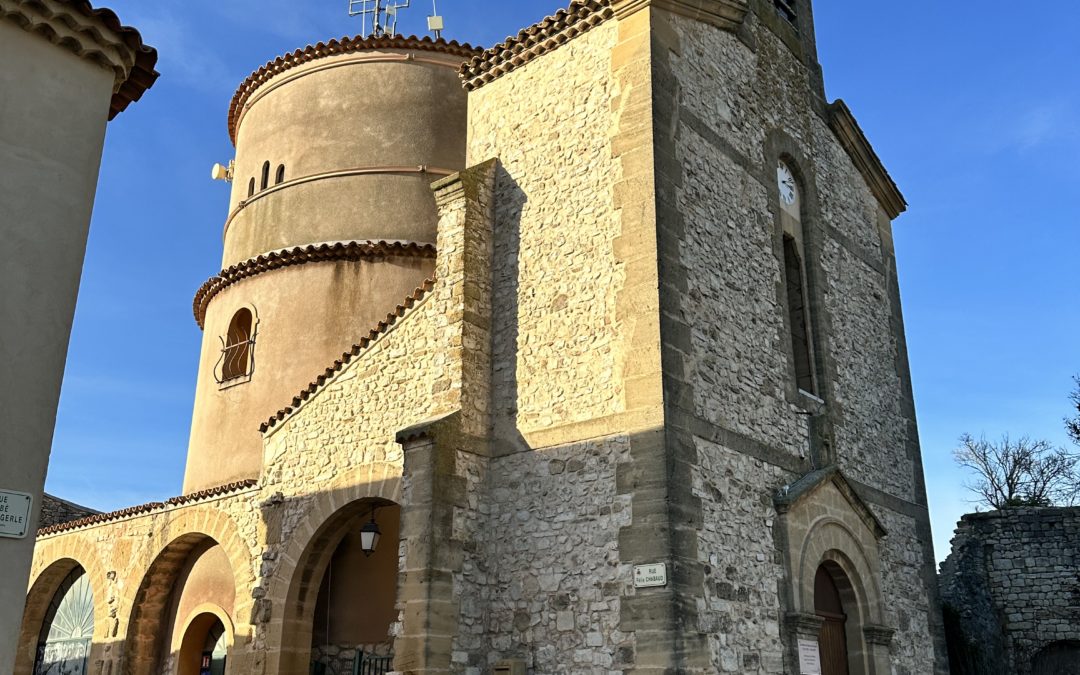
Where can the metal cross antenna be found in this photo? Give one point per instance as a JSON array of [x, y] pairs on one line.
[[383, 13]]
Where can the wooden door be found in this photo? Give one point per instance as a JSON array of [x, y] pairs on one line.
[[832, 641]]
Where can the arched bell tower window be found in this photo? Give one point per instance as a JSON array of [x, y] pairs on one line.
[[237, 347], [798, 309], [280, 177], [265, 176], [251, 187]]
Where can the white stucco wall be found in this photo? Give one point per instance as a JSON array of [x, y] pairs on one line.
[[54, 107]]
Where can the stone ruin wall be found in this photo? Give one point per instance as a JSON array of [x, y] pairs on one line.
[[1010, 588]]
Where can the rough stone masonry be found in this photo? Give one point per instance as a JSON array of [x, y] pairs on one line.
[[1011, 593]]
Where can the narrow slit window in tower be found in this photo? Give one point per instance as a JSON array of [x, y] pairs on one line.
[[236, 355], [796, 298], [280, 177], [251, 187], [265, 176], [798, 310]]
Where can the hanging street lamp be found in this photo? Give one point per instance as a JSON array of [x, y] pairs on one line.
[[369, 535]]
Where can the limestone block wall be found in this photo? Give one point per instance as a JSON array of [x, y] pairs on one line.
[[558, 346], [134, 562], [1011, 590], [571, 382], [743, 102]]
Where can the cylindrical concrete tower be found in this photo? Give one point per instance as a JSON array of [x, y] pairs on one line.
[[331, 224]]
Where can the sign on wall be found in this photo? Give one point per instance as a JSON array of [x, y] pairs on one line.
[[14, 514], [809, 658], [650, 576]]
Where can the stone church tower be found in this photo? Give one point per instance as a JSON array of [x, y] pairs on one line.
[[628, 394]]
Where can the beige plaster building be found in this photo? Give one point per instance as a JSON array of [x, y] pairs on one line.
[[66, 69], [618, 292]]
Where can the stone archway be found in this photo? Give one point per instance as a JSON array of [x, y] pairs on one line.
[[204, 644], [1057, 658], [295, 590], [147, 602], [828, 527], [64, 560]]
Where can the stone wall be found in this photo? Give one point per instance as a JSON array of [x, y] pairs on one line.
[[550, 571], [133, 561], [55, 511], [558, 346], [1011, 588], [745, 100]]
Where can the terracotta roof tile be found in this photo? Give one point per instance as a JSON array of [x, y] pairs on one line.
[[142, 75], [133, 511], [534, 41], [321, 50], [301, 255], [383, 326]]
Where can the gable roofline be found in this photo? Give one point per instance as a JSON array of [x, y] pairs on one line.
[[406, 307], [854, 141], [791, 495], [534, 41], [143, 509]]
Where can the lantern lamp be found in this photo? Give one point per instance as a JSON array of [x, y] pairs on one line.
[[369, 535]]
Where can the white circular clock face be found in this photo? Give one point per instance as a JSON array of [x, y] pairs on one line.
[[789, 190]]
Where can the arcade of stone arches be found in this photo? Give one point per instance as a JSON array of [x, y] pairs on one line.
[[188, 614]]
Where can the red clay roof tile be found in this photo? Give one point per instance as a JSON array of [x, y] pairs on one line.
[[321, 50], [347, 357]]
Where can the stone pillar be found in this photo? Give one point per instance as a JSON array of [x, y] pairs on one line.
[[434, 484], [432, 490], [801, 626], [878, 640]]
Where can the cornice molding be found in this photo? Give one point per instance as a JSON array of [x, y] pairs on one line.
[[725, 14], [349, 251], [93, 34], [862, 154], [346, 45]]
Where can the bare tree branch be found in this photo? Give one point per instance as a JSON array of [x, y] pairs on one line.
[[1023, 472]]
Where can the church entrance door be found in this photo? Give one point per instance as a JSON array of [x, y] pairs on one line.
[[832, 642]]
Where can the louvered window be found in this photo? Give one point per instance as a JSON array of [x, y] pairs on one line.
[[786, 9]]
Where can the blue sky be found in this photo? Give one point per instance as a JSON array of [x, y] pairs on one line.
[[978, 122]]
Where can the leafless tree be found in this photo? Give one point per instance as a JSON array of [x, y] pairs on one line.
[[1023, 472], [1072, 424]]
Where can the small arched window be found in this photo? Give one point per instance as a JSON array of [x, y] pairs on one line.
[[265, 176], [280, 177], [236, 352], [251, 187]]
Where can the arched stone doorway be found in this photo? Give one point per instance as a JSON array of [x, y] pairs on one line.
[[67, 631], [1057, 658], [204, 648], [169, 619], [341, 602]]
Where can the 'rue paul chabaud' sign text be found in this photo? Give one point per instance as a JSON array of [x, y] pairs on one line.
[[14, 514]]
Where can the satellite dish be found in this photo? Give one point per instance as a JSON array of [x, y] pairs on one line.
[[219, 172]]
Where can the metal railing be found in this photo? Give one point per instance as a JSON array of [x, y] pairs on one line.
[[363, 664], [372, 665]]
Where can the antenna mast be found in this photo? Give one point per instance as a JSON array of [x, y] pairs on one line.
[[383, 13]]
